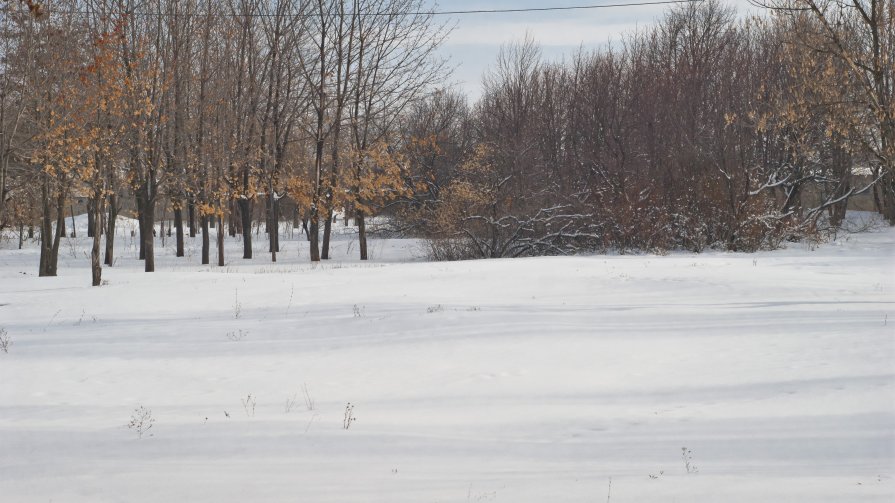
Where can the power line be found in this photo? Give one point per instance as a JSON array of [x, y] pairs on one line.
[[545, 9], [417, 13]]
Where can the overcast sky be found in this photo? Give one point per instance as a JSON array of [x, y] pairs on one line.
[[474, 43]]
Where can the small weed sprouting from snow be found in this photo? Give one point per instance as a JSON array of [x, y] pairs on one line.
[[73, 247], [237, 335], [4, 340], [290, 402], [687, 456], [291, 294], [349, 416], [653, 476], [358, 311], [141, 421], [52, 319], [309, 400], [237, 307], [248, 404], [435, 309]]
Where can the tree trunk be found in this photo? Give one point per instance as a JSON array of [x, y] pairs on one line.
[[146, 208], [148, 235], [220, 241], [273, 225], [60, 223], [313, 236], [4, 168], [21, 234], [96, 217], [245, 213], [276, 225], [178, 227], [110, 230], [231, 224], [191, 209], [268, 217], [327, 230], [206, 245], [877, 200], [74, 230], [889, 198], [274, 233], [46, 228], [837, 210], [91, 223], [362, 233]]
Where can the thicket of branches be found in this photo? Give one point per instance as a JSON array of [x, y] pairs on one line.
[[703, 131]]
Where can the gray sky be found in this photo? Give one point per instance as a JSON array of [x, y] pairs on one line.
[[476, 40]]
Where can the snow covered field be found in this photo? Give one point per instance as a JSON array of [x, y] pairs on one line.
[[528, 380]]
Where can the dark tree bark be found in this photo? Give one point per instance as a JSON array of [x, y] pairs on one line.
[[146, 207], [110, 230], [49, 256], [60, 229], [273, 226], [205, 239], [178, 227], [362, 234], [231, 222], [327, 231], [245, 213], [91, 222], [148, 237], [96, 216], [314, 237], [220, 242], [191, 210], [47, 236]]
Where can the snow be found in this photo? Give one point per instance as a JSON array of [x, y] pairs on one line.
[[525, 380]]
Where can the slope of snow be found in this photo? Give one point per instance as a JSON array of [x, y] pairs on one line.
[[527, 380]]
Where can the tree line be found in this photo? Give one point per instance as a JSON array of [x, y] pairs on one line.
[[704, 130]]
